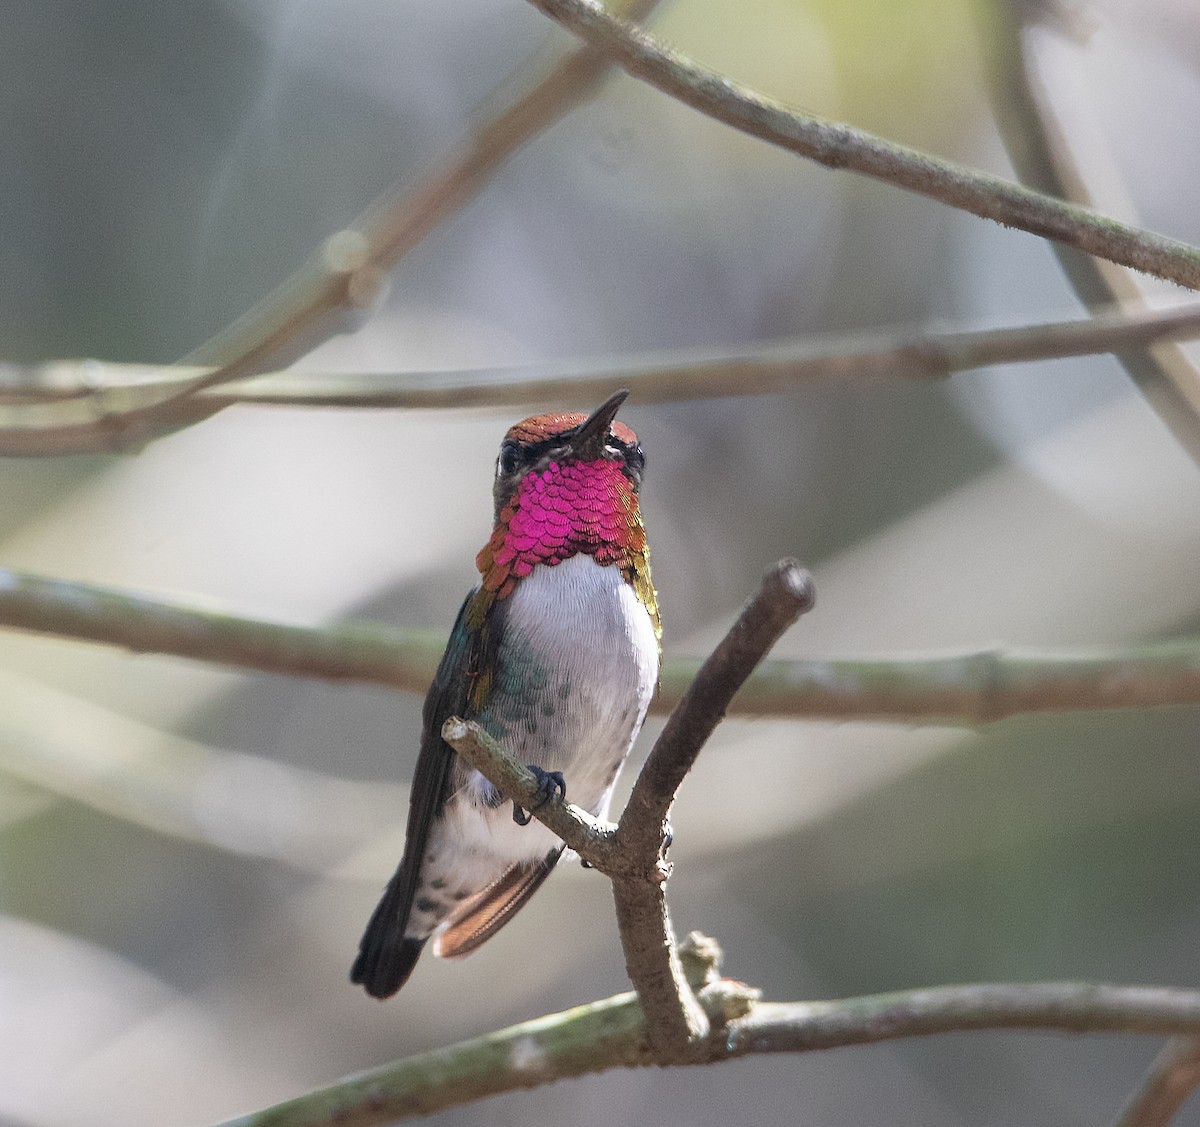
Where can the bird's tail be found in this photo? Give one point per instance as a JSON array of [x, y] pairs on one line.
[[386, 956]]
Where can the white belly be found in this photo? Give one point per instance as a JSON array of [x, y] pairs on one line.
[[577, 668]]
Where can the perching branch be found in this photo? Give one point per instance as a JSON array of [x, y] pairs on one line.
[[676, 1024], [612, 1034], [632, 856], [841, 146], [588, 836], [965, 689], [786, 593]]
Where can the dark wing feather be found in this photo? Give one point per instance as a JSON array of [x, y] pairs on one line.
[[386, 958], [479, 917]]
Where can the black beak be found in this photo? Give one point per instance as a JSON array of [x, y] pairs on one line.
[[588, 441]]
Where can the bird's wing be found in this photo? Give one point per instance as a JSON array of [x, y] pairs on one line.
[[386, 957], [479, 917]]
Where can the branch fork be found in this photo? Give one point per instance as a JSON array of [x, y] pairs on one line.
[[632, 853]]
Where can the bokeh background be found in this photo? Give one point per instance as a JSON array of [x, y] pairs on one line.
[[188, 854]]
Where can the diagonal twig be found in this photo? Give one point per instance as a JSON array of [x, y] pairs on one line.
[[1054, 155], [346, 275], [785, 594], [840, 146], [676, 1022], [1173, 1076]]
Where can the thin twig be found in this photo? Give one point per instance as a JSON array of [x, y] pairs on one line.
[[963, 689], [1173, 1076], [348, 273], [38, 401], [676, 1023], [1045, 151], [842, 146], [785, 594], [589, 837], [612, 1034]]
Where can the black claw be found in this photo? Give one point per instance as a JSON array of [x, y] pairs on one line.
[[550, 783], [668, 837]]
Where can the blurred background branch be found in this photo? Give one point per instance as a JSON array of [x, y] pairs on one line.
[[842, 146], [342, 283], [1171, 1079], [971, 688], [1053, 137], [46, 409]]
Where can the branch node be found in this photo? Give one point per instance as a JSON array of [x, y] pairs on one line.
[[700, 956]]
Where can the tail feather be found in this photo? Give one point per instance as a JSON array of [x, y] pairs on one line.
[[386, 956], [381, 971]]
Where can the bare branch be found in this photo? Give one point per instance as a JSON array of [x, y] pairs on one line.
[[1173, 1076], [342, 281], [1066, 1007], [676, 1024], [785, 594], [1055, 156], [592, 1038], [841, 146], [612, 1034], [589, 837], [675, 1020], [147, 624], [965, 689], [38, 401]]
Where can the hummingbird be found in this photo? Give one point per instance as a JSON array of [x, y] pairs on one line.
[[555, 653]]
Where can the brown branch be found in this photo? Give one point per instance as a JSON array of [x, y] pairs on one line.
[[632, 856], [37, 401], [1173, 1076], [1049, 156], [146, 623], [785, 594], [966, 689], [841, 146], [675, 1020], [612, 1034], [676, 1023], [589, 837]]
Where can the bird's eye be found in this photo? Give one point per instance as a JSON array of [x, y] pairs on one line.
[[635, 459], [509, 461]]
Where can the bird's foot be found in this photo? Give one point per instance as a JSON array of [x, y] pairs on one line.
[[550, 783]]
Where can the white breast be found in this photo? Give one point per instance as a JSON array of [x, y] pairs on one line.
[[578, 666]]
